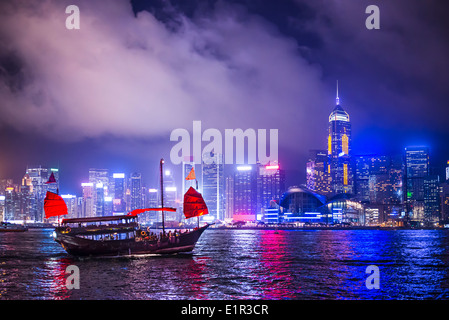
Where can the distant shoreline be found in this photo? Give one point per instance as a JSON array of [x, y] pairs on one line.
[[326, 228], [47, 226]]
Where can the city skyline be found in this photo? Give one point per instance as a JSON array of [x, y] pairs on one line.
[[200, 151], [298, 50], [350, 188]]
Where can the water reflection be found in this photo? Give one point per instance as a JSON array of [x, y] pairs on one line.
[[275, 274], [239, 264], [55, 280]]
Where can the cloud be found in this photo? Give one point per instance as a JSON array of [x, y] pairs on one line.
[[133, 76], [394, 71]]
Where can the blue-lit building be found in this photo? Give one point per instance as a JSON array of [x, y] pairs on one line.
[[317, 172], [135, 185], [270, 186], [432, 200], [272, 213], [213, 183], [339, 151], [379, 185], [345, 209], [416, 170], [119, 189], [245, 193], [301, 205]]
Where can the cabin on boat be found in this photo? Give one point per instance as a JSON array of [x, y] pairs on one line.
[[121, 227]]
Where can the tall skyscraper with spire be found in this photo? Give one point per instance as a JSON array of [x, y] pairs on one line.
[[339, 150]]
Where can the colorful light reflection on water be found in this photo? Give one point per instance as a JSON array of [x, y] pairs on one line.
[[239, 264]]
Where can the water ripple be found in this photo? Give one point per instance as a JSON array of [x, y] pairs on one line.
[[239, 264]]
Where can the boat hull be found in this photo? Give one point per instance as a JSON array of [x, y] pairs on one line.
[[77, 246]]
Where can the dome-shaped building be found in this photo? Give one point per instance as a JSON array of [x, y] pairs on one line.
[[300, 205]]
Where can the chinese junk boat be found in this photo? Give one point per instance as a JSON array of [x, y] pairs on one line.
[[122, 235]]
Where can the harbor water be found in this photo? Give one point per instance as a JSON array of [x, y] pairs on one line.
[[238, 264]]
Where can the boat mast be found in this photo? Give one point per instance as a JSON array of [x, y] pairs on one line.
[[162, 195]]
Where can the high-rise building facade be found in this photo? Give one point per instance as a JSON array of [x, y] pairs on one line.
[[416, 170], [98, 199], [378, 179], [136, 190], [270, 187], [317, 172], [25, 198], [2, 207], [213, 184], [444, 202], [229, 198], [72, 207], [245, 193], [100, 182], [99, 176], [447, 171], [363, 170], [339, 150], [432, 200], [88, 200], [119, 190], [10, 203], [378, 184], [39, 176], [170, 190]]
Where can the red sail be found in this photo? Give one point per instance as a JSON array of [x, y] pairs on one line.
[[191, 175], [54, 205], [52, 179], [139, 211], [194, 205]]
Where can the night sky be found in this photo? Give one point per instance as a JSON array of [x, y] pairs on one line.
[[109, 94]]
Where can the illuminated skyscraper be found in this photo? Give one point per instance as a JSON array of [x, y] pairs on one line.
[[10, 203], [153, 198], [2, 207], [229, 198], [416, 170], [136, 191], [245, 193], [378, 184], [339, 150], [363, 164], [88, 199], [318, 177], [432, 199], [71, 202], [100, 176], [378, 179], [39, 176], [25, 198], [99, 194], [447, 171], [270, 186], [213, 184], [172, 198], [118, 187], [100, 182]]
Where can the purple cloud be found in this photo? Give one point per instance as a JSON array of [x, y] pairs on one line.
[[129, 76]]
